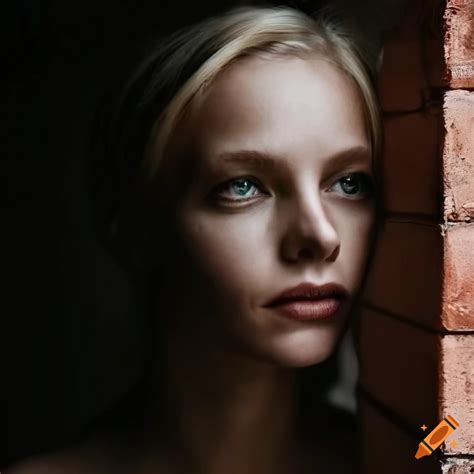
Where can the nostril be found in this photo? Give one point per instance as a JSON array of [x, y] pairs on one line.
[[305, 253], [334, 254]]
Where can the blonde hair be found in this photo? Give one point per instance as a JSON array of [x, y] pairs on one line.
[[252, 30], [186, 63]]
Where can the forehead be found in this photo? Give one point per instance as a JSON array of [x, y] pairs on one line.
[[284, 106]]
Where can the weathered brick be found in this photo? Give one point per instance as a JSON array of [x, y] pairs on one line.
[[399, 366], [458, 155], [424, 273], [457, 466], [387, 449], [458, 284], [459, 42], [456, 390], [405, 276], [411, 162], [422, 276]]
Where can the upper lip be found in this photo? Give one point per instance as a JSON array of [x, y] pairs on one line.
[[309, 291]]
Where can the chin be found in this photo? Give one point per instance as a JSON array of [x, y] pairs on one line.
[[299, 354], [305, 359], [311, 347]]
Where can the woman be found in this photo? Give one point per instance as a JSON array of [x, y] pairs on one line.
[[244, 199]]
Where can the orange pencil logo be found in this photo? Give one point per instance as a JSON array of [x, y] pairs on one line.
[[445, 427]]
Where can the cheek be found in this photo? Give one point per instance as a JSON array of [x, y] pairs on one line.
[[356, 234], [225, 250]]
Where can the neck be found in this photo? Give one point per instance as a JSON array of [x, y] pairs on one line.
[[224, 412]]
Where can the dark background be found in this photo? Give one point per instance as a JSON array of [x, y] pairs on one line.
[[75, 344]]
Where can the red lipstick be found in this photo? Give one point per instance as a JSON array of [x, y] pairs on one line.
[[308, 301]]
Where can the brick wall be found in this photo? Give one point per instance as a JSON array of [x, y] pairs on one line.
[[416, 331]]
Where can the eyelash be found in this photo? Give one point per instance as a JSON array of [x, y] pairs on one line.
[[364, 179], [227, 184]]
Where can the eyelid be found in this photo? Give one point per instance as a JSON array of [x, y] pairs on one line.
[[352, 169], [256, 182], [343, 174], [366, 178]]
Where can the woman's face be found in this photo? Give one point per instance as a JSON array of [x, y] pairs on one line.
[[255, 182]]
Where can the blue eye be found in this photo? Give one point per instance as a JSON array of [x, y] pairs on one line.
[[355, 185], [243, 188]]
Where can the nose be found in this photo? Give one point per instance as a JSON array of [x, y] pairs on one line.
[[309, 233]]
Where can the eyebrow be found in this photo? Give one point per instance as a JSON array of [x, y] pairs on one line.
[[262, 160], [357, 154], [258, 159]]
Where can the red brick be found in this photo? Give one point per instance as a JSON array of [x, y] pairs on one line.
[[413, 54], [402, 78], [456, 391], [458, 155], [399, 366], [411, 162], [457, 466], [458, 286], [424, 273], [433, 49], [405, 276], [387, 449], [459, 42]]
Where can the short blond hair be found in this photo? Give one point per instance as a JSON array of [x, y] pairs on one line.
[[185, 64]]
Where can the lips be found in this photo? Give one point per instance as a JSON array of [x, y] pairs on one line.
[[308, 301]]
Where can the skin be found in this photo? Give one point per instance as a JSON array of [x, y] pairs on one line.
[[230, 370], [238, 255], [230, 365]]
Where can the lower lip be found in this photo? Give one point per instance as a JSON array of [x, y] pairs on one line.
[[308, 310]]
